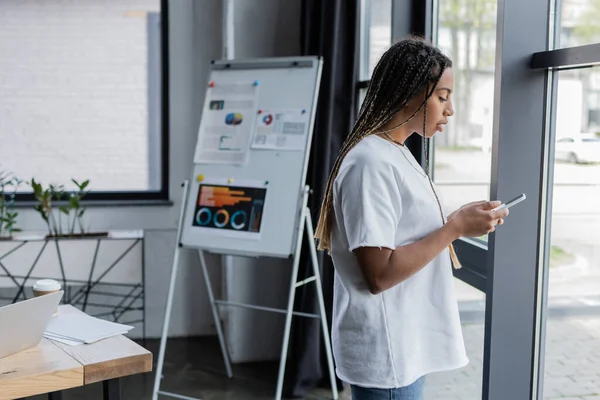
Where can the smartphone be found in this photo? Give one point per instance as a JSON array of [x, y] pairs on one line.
[[511, 202]]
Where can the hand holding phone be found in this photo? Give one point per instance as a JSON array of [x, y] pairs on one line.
[[473, 219], [511, 202]]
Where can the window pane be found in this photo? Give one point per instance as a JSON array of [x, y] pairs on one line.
[[572, 364], [376, 34], [578, 22], [80, 92], [466, 32], [463, 383], [362, 93]]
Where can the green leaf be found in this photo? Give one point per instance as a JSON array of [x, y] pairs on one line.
[[37, 188], [64, 210]]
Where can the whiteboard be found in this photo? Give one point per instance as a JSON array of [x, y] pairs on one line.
[[245, 192]]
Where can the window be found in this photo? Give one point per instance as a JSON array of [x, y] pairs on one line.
[[375, 39], [578, 22], [376, 34], [83, 95], [462, 153], [573, 268]]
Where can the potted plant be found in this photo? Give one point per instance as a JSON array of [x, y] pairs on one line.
[[9, 185], [62, 210]]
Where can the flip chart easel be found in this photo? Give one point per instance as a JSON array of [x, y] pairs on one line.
[[254, 202]]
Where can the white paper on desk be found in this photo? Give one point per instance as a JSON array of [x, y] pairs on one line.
[[63, 340], [84, 328], [54, 336]]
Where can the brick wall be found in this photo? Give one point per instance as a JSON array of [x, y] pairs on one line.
[[74, 91]]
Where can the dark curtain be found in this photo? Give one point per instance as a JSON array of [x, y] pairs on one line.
[[329, 29]]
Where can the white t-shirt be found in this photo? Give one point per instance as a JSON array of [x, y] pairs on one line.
[[382, 198]]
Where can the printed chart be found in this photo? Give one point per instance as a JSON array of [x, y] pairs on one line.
[[227, 123], [230, 210], [281, 130]]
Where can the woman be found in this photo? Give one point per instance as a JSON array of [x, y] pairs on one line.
[[395, 316]]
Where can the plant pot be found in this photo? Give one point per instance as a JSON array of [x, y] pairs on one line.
[[78, 235]]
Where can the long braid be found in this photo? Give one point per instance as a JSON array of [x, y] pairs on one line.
[[405, 69]]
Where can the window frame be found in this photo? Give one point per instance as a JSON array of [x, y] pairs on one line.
[[146, 197], [567, 58]]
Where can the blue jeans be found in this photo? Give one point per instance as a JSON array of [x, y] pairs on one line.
[[414, 391]]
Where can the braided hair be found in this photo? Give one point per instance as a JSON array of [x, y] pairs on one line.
[[409, 67]]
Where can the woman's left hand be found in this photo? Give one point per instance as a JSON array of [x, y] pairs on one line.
[[453, 213]]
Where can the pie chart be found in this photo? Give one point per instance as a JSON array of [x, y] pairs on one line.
[[267, 119], [233, 119]]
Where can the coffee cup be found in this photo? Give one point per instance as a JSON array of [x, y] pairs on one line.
[[45, 286]]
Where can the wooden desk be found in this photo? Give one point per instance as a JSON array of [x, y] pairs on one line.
[[42, 369], [52, 367]]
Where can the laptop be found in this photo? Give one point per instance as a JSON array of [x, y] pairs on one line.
[[22, 324]]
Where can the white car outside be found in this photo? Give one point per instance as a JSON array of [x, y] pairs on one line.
[[578, 149]]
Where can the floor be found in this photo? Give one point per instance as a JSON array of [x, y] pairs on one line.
[[572, 363], [194, 368]]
